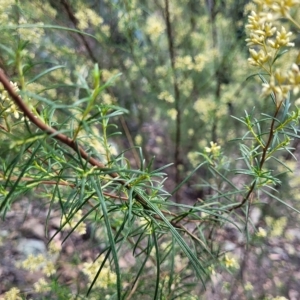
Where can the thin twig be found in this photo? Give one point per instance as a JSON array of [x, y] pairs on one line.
[[176, 96], [262, 160]]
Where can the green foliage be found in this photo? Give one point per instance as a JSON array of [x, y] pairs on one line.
[[78, 71]]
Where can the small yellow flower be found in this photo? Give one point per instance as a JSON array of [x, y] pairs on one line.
[[154, 26], [248, 286], [191, 132], [41, 286], [54, 247], [282, 39], [211, 269], [214, 148], [12, 294], [138, 139], [166, 96], [261, 232], [33, 263], [230, 262], [184, 62], [172, 113], [49, 269], [105, 278], [258, 58], [14, 110], [81, 228]]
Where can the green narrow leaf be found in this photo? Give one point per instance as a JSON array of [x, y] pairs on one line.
[[181, 242], [44, 73], [24, 169], [281, 201], [97, 186], [186, 179], [157, 264], [148, 252]]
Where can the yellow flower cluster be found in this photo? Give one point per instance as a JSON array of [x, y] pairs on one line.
[[86, 16], [31, 34], [184, 62], [186, 86], [8, 105], [166, 96], [230, 262], [35, 263], [279, 8], [249, 286], [172, 113], [107, 99], [155, 26], [266, 42], [138, 139], [161, 71], [261, 232], [277, 226], [188, 63], [193, 158], [81, 228], [108, 74], [41, 286], [12, 294], [105, 278], [214, 149], [5, 5]]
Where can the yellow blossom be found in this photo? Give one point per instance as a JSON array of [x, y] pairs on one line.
[[166, 96], [211, 269], [261, 33], [155, 26], [184, 62], [214, 148], [41, 286], [105, 278], [193, 158], [293, 78], [86, 16], [107, 99], [12, 294], [199, 105], [54, 247], [138, 139], [200, 61], [282, 39], [49, 269], [261, 232], [230, 262], [172, 113], [71, 223], [33, 263], [14, 110], [248, 286], [191, 132], [161, 71], [258, 58]]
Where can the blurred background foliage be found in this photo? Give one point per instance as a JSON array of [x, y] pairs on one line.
[[179, 68]]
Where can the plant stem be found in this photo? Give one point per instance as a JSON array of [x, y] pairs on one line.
[[176, 96]]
